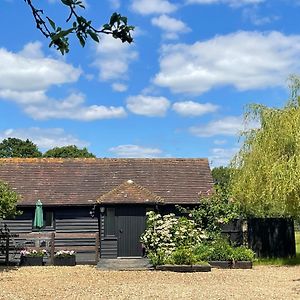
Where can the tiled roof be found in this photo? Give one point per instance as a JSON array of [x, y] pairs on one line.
[[129, 192], [83, 181]]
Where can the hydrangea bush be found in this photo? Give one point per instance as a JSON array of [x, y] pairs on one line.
[[165, 234]]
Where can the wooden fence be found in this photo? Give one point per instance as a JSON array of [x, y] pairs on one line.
[[52, 242]]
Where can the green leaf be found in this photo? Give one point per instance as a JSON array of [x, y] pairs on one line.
[[124, 20], [81, 40], [93, 35], [67, 2], [51, 23], [114, 18]]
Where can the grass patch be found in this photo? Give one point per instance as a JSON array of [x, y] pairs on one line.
[[283, 261]]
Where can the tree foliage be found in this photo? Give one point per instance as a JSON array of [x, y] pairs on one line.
[[221, 177], [266, 181], [8, 201], [68, 152], [13, 147], [117, 26]]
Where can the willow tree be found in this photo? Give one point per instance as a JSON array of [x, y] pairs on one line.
[[267, 177]]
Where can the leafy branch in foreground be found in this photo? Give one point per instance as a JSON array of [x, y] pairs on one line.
[[117, 26]]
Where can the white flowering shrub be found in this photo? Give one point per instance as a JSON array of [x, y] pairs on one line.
[[165, 234]]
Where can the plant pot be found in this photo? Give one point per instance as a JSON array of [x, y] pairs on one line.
[[184, 268], [220, 264], [65, 261], [31, 261], [242, 264]]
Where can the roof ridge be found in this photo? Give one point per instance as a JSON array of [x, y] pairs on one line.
[[79, 159], [128, 183]]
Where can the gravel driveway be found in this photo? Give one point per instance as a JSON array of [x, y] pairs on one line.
[[86, 282]]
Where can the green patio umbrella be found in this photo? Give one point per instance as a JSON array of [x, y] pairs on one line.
[[38, 215]]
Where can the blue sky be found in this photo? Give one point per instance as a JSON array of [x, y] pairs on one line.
[[178, 91]]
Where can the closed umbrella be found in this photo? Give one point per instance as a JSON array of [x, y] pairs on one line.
[[38, 215]]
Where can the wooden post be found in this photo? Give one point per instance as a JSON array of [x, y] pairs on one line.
[[52, 248], [7, 249], [97, 245]]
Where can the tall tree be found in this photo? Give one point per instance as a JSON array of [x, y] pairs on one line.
[[13, 147], [266, 181], [8, 201], [68, 152], [117, 26], [221, 177]]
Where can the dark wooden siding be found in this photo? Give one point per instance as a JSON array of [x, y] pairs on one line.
[[67, 220]]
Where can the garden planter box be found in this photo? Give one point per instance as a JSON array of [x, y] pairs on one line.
[[31, 261], [242, 265], [221, 264], [184, 268], [65, 261]]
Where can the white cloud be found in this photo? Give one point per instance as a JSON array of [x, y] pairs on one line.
[[113, 58], [147, 7], [221, 156], [25, 78], [192, 109], [29, 70], [256, 19], [226, 126], [220, 142], [245, 60], [119, 87], [135, 151], [233, 3], [115, 4], [171, 26], [72, 108], [148, 105], [44, 137]]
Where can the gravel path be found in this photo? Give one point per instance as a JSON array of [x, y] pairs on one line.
[[86, 282]]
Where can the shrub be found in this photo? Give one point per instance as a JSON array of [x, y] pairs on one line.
[[164, 234], [203, 252], [243, 254], [221, 250], [183, 256]]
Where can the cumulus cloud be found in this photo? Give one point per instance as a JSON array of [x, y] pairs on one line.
[[113, 58], [245, 60], [222, 156], [192, 109], [148, 105], [233, 3], [147, 7], [119, 87], [29, 70], [115, 4], [26, 76], [135, 151], [172, 27], [44, 137], [72, 107], [226, 126]]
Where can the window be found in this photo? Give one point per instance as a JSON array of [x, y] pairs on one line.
[[48, 219], [110, 221]]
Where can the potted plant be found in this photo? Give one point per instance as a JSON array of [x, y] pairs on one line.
[[65, 258], [31, 257]]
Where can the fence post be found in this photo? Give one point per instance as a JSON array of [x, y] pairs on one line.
[[97, 247], [52, 249], [7, 249]]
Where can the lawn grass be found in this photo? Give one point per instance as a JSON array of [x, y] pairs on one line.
[[283, 261]]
